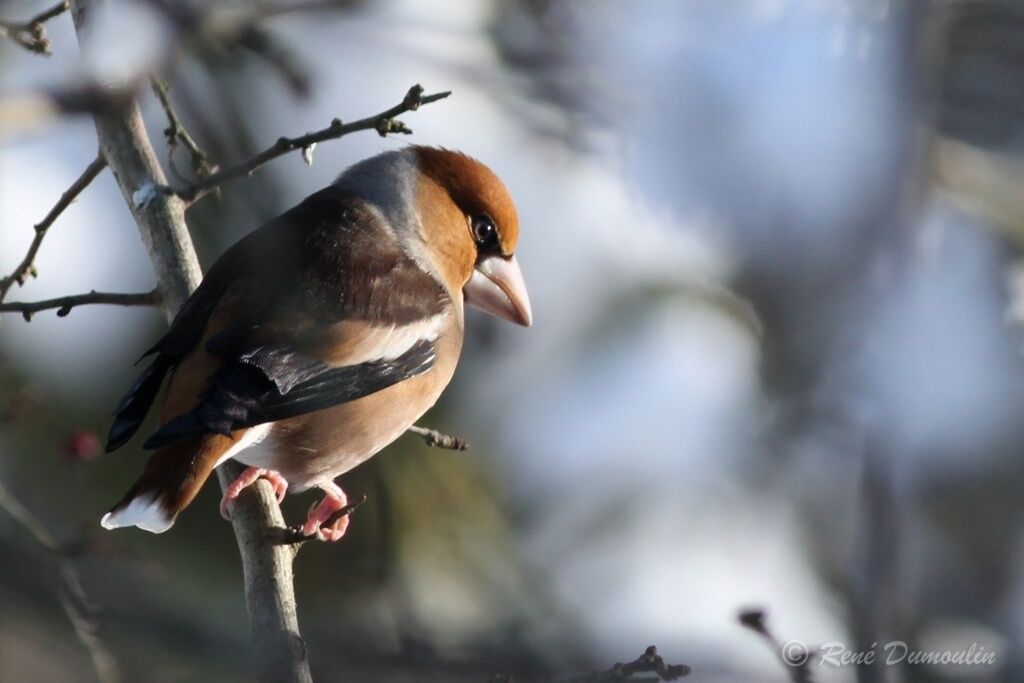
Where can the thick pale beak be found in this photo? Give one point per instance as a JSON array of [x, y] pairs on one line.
[[497, 287]]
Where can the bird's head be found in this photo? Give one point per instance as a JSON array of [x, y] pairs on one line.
[[471, 229]]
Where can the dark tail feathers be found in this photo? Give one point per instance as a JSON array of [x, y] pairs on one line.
[[132, 409]]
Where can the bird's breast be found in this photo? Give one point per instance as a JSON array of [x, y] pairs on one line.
[[319, 446]]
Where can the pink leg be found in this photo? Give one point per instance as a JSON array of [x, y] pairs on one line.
[[334, 500], [249, 477]]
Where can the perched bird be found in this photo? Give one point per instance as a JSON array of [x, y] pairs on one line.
[[322, 336]]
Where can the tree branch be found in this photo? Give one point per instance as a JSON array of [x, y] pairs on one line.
[[175, 133], [73, 598], [293, 535], [649, 662], [792, 655], [384, 123], [279, 652], [222, 29], [27, 268], [31, 34], [64, 304], [433, 438]]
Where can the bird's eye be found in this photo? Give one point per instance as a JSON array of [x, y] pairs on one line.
[[485, 234]]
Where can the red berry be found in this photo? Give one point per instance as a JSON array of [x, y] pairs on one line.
[[81, 444]]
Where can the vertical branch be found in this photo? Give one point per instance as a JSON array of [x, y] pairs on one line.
[[269, 591], [73, 598]]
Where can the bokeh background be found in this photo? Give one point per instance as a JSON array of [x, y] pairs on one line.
[[773, 252]]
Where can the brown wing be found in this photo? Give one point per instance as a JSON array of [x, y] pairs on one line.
[[269, 299]]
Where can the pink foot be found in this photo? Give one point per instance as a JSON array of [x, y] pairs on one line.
[[334, 500], [249, 477]]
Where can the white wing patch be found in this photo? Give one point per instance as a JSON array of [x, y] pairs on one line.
[[388, 343]]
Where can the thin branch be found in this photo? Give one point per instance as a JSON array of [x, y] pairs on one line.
[[220, 29], [649, 662], [793, 655], [31, 34], [293, 535], [64, 304], [384, 123], [175, 133], [73, 597], [27, 268], [197, 24], [20, 514], [434, 438]]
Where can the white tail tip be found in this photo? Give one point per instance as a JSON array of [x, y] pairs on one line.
[[144, 512]]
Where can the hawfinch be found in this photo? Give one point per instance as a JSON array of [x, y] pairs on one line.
[[321, 337]]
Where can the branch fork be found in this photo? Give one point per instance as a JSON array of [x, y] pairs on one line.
[[31, 34], [385, 123]]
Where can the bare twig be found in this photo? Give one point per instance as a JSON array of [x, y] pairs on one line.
[[433, 438], [73, 597], [649, 662], [175, 133], [293, 535], [384, 123], [31, 34], [64, 304], [194, 23], [27, 268], [794, 656], [198, 24]]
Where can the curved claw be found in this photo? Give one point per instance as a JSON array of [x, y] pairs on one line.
[[334, 500], [249, 477]]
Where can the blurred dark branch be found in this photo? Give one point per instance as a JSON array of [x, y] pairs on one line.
[[202, 26], [175, 133], [31, 34], [432, 437], [649, 662], [26, 268], [873, 591], [64, 304], [270, 10], [27, 111], [384, 123], [73, 597], [293, 535], [278, 56], [792, 655], [209, 27]]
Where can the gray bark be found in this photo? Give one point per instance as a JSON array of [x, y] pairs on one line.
[[279, 652]]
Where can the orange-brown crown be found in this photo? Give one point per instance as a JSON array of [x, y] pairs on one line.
[[474, 188]]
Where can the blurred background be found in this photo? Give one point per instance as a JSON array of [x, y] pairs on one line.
[[773, 248]]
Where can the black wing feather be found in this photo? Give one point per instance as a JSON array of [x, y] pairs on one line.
[[131, 411], [275, 383], [184, 334]]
